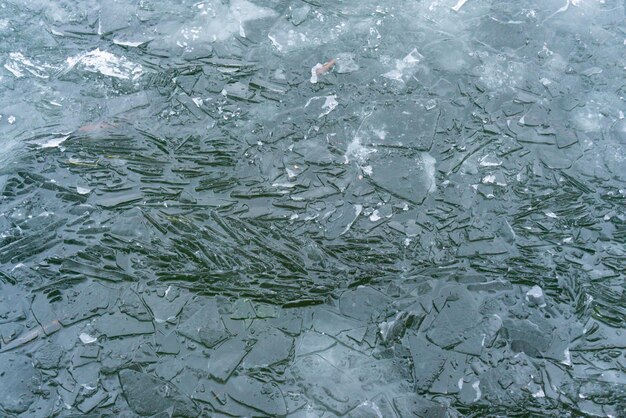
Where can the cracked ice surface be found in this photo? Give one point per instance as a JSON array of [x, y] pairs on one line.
[[190, 227]]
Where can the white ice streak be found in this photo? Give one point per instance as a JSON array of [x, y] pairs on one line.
[[51, 142], [458, 5], [357, 211], [567, 357], [476, 386], [86, 338], [129, 44], [330, 103], [18, 65], [106, 63], [355, 149], [428, 162]]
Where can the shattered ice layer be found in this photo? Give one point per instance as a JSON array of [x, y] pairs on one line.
[[357, 211], [346, 63], [19, 65], [357, 151], [314, 31], [330, 103], [106, 63], [405, 67], [501, 72], [217, 21]]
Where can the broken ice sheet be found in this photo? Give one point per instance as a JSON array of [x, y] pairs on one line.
[[118, 325], [342, 220], [19, 380], [198, 189], [335, 389], [405, 67], [205, 326], [415, 183], [346, 63], [165, 304], [324, 28], [263, 396], [328, 105], [148, 395], [226, 358]]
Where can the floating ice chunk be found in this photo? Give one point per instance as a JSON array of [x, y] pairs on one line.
[[428, 162], [357, 211], [395, 327], [329, 105], [106, 63], [539, 393], [375, 216], [535, 296], [130, 44], [489, 161], [82, 190], [86, 338], [567, 357], [404, 66], [476, 386], [346, 63], [11, 120], [321, 69], [314, 72], [357, 151], [490, 178], [299, 14], [458, 5]]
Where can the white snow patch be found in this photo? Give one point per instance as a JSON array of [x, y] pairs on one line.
[[535, 294], [476, 386], [429, 169], [18, 65], [539, 394], [106, 63], [86, 338], [568, 357], [375, 216]]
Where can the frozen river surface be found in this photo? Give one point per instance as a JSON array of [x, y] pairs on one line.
[[312, 208]]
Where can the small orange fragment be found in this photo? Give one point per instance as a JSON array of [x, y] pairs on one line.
[[326, 67]]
